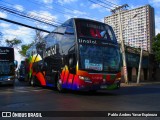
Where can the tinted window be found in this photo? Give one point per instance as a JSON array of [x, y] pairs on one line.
[[99, 58], [6, 54], [6, 68]]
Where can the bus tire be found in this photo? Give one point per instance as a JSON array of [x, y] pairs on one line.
[[32, 81]]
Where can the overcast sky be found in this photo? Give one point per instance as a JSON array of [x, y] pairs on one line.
[[60, 11]]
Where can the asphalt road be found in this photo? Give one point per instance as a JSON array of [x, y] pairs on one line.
[[22, 97]]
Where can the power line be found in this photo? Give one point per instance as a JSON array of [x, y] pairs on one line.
[[70, 10], [105, 3], [100, 4], [22, 14], [18, 23], [10, 5], [112, 3], [58, 10]]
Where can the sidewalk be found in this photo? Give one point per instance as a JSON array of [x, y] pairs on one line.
[[140, 84]]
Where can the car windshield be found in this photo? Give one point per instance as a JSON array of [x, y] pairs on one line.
[[6, 68], [98, 58]]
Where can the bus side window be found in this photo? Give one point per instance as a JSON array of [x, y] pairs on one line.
[[69, 30], [110, 34]]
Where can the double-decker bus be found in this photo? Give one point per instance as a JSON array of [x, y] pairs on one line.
[[7, 65], [81, 54]]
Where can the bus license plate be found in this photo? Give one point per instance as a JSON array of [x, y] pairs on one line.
[[103, 86]]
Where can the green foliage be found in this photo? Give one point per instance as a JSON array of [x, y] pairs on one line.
[[14, 42], [156, 47], [24, 49]]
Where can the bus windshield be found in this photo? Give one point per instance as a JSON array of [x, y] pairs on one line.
[[7, 68], [94, 30], [98, 58]]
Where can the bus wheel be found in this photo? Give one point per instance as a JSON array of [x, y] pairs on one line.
[[32, 82], [59, 85]]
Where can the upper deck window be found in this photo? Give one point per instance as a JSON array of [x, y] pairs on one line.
[[96, 30], [69, 27]]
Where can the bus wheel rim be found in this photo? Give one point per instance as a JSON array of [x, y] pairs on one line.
[[32, 82], [59, 87]]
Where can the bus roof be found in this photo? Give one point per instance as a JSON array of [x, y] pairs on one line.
[[85, 19]]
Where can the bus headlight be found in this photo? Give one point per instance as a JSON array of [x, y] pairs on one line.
[[118, 79], [86, 79], [9, 79]]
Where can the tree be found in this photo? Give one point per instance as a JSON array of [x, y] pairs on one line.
[[156, 47], [24, 49], [38, 39], [12, 43]]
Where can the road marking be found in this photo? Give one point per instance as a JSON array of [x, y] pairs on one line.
[[22, 89]]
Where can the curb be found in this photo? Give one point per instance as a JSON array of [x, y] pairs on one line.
[[140, 84]]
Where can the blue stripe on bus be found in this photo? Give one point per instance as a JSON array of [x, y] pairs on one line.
[[49, 85]]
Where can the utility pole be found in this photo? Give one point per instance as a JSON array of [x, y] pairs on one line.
[[119, 9], [140, 64]]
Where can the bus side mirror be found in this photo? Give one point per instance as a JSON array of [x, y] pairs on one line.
[[15, 63]]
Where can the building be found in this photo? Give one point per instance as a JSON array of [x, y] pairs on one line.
[[138, 26]]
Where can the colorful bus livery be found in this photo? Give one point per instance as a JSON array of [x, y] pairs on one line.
[[7, 65], [80, 54]]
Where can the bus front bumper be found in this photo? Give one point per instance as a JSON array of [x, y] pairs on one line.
[[115, 85]]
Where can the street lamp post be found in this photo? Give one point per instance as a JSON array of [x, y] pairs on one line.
[[118, 9]]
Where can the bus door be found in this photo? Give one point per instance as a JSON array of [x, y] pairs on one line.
[[50, 72], [71, 66]]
